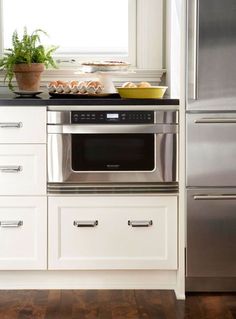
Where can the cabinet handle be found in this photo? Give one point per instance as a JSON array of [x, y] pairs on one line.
[[11, 223], [216, 120], [196, 49], [87, 223], [140, 223], [11, 125], [214, 197], [11, 169]]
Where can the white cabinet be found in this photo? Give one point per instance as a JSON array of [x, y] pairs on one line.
[[22, 169], [113, 232], [22, 125], [23, 220], [23, 233]]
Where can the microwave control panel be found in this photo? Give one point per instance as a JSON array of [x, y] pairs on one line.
[[112, 117]]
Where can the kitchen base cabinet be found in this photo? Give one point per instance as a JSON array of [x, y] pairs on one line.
[[23, 125], [113, 232], [23, 169], [23, 233], [23, 216]]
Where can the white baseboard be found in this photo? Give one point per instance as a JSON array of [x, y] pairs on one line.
[[88, 279]]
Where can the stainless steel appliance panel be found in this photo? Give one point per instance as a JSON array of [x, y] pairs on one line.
[[60, 171], [109, 150], [211, 55], [211, 149], [211, 233]]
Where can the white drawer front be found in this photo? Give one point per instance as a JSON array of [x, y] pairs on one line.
[[112, 238], [22, 125], [22, 169], [23, 233]]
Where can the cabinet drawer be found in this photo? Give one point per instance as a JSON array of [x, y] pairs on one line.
[[22, 169], [211, 149], [113, 232], [22, 125], [23, 233]]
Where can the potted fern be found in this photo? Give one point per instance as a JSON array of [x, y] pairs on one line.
[[27, 59]]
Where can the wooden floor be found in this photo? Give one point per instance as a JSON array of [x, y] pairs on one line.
[[114, 304]]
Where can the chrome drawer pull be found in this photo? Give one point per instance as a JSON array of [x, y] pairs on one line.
[[11, 125], [214, 197], [140, 223], [215, 120], [11, 223], [11, 169], [87, 223]]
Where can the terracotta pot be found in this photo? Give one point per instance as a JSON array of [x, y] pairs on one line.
[[28, 76]]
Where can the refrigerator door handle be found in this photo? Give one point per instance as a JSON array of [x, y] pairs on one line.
[[196, 49], [215, 197]]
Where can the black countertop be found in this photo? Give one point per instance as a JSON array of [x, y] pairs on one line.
[[11, 99]]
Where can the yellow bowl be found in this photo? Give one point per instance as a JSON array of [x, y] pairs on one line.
[[154, 92]]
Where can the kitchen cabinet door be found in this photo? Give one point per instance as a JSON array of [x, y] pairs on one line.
[[23, 169], [113, 232], [211, 149], [23, 125], [211, 232], [23, 233]]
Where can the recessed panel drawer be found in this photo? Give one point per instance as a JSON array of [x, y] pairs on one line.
[[211, 149], [23, 233], [22, 169], [22, 125], [113, 232]]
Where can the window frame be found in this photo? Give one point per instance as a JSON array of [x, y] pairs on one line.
[[69, 61], [147, 54]]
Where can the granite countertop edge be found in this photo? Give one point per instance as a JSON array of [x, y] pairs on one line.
[[44, 100]]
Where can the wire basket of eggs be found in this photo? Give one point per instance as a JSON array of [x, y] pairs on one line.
[[142, 90]]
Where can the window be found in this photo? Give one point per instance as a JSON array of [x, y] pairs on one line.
[[129, 30], [82, 29]]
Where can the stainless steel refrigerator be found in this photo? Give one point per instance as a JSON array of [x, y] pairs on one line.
[[211, 145]]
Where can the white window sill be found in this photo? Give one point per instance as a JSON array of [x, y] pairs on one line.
[[137, 75]]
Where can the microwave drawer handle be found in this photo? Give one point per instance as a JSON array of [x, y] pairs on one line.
[[87, 223], [214, 197], [11, 169], [216, 120], [113, 129], [140, 223], [11, 125], [11, 223]]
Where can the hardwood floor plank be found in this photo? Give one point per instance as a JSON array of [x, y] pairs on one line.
[[33, 304], [193, 309], [123, 304], [214, 308], [168, 303], [150, 303], [85, 304], [230, 301], [53, 302], [114, 304], [8, 306], [181, 311], [65, 306]]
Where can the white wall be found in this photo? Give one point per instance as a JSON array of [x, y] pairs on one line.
[[173, 40], [150, 34]]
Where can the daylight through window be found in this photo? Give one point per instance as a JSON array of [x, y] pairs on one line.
[[79, 27]]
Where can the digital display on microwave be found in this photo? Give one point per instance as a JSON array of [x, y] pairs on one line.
[[113, 116]]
